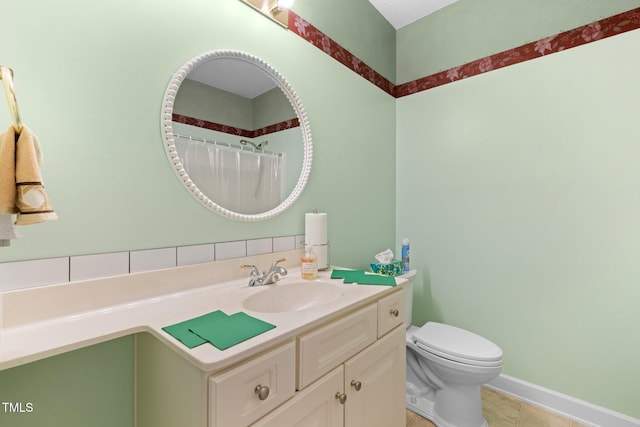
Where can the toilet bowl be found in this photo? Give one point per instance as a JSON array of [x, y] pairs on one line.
[[446, 366]]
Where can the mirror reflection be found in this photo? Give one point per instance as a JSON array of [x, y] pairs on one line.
[[236, 134]]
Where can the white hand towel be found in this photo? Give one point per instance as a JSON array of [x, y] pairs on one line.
[[7, 231]]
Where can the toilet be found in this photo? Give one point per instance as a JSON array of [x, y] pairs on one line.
[[446, 366]]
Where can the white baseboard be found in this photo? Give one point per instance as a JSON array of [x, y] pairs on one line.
[[567, 406]]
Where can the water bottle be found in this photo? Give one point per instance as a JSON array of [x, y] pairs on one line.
[[405, 255]]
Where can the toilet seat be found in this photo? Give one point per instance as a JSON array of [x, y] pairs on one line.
[[457, 344]]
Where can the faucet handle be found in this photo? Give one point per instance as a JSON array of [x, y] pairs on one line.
[[278, 262], [254, 269], [255, 274]]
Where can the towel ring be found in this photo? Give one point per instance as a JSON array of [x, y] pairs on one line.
[[6, 75]]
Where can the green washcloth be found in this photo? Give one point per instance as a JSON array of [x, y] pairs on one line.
[[362, 278], [376, 279], [181, 331], [349, 276], [231, 330]]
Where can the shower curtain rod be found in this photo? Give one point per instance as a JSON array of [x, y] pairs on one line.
[[6, 75], [226, 144]]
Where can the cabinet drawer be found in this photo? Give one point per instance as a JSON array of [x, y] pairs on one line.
[[233, 396], [390, 312], [325, 348]]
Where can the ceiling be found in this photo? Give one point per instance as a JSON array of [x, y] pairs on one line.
[[403, 12], [232, 75]]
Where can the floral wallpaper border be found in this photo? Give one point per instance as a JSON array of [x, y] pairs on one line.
[[607, 27], [277, 127], [323, 42]]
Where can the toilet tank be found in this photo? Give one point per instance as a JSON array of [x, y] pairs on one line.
[[408, 296]]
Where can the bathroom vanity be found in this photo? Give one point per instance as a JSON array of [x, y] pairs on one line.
[[336, 356], [349, 368]]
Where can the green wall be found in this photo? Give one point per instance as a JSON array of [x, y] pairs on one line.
[[515, 187], [358, 27], [201, 101], [88, 387], [519, 191], [472, 29], [195, 99], [90, 78], [92, 89], [271, 107]]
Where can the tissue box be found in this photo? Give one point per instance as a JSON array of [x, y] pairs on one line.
[[394, 268]]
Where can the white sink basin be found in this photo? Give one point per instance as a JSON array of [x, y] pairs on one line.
[[293, 296]]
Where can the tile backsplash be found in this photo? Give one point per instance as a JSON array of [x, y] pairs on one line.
[[40, 272], [94, 266]]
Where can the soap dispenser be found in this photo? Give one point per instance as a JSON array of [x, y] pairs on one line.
[[309, 270]]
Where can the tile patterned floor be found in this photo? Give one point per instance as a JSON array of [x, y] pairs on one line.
[[501, 410]]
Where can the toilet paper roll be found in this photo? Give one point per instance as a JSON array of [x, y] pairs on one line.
[[315, 229]]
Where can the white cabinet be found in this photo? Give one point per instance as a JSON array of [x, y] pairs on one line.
[[390, 312], [375, 384], [318, 405], [169, 391], [330, 345], [242, 395], [349, 371], [368, 390]]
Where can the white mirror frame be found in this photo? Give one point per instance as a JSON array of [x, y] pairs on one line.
[[172, 154]]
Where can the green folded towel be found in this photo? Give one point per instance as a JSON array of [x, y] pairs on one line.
[[375, 279], [218, 328], [181, 330], [362, 278], [349, 276], [233, 330]]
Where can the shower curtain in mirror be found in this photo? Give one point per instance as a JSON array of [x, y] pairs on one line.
[[237, 179]]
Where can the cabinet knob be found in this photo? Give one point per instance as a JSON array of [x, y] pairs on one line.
[[356, 384], [342, 397], [262, 391], [394, 312]]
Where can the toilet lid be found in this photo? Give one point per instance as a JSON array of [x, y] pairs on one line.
[[457, 344]]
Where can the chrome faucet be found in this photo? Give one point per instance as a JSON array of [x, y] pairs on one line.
[[266, 277]]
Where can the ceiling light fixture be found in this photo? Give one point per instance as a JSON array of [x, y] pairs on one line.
[[276, 10]]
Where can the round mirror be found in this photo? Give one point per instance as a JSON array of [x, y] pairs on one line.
[[236, 135]]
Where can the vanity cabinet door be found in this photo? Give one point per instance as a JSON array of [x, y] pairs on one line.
[[241, 395], [390, 312], [329, 346], [317, 405], [375, 384]]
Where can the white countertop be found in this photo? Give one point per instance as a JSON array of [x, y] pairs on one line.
[[42, 322]]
